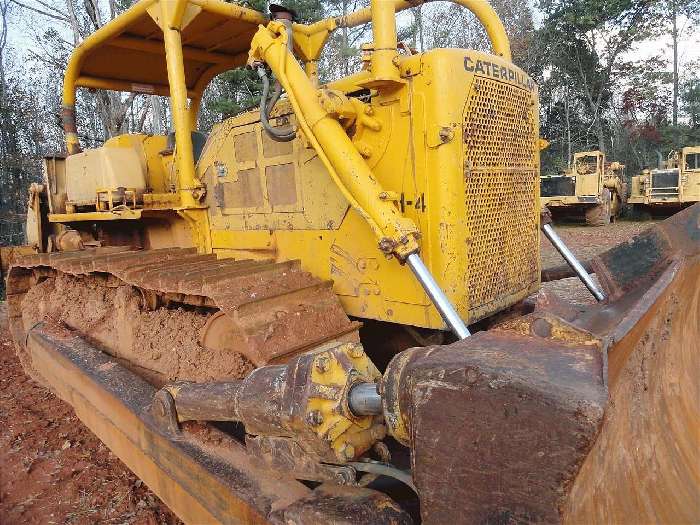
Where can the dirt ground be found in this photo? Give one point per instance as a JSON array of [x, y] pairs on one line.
[[585, 242], [54, 471]]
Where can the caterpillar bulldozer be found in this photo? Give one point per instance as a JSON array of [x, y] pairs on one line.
[[674, 185], [593, 189], [328, 310]]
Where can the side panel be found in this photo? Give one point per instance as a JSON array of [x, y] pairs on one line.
[[55, 180], [466, 172], [690, 178]]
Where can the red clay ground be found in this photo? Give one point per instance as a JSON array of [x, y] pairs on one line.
[[585, 242], [54, 471]]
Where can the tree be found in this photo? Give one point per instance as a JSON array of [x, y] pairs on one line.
[[20, 139], [674, 11], [587, 40]]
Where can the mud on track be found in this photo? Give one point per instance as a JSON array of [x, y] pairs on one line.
[[161, 345]]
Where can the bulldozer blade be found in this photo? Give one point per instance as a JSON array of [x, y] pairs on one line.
[[564, 415], [561, 415], [645, 465], [202, 474]]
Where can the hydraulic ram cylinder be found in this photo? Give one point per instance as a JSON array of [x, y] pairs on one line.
[[575, 264], [437, 296]]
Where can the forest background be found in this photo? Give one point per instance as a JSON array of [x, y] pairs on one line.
[[622, 76]]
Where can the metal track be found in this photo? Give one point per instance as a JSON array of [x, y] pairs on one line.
[[268, 311]]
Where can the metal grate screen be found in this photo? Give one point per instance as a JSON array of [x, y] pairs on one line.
[[664, 181], [501, 174]]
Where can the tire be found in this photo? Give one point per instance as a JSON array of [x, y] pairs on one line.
[[615, 206], [641, 212], [599, 215]]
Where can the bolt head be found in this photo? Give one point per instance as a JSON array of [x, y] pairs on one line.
[[323, 364], [356, 351], [314, 418], [348, 451]]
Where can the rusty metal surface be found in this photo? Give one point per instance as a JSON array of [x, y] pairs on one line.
[[330, 504], [567, 415], [306, 400], [562, 271], [203, 479], [8, 254], [500, 178], [202, 474], [636, 264], [272, 310], [645, 465], [213, 401], [499, 423], [287, 455], [298, 412], [559, 415]]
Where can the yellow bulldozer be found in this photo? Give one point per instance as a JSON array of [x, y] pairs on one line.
[[674, 185], [328, 310], [593, 189]]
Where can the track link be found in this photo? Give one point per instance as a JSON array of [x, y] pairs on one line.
[[267, 311]]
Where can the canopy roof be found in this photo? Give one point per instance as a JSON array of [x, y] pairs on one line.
[[129, 53]]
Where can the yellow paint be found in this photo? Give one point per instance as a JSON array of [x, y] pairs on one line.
[[369, 284], [591, 173], [480, 8], [349, 437], [428, 164], [95, 216], [330, 141], [687, 162]]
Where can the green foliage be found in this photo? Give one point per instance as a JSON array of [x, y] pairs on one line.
[[594, 95], [690, 96], [240, 89]]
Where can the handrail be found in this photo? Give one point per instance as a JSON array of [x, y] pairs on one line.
[[111, 31], [74, 78], [73, 73], [481, 9]]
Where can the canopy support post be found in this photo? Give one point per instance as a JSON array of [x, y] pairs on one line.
[[184, 156]]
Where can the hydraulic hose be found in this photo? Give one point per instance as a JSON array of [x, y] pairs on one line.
[[382, 469], [267, 107], [276, 94], [284, 135]]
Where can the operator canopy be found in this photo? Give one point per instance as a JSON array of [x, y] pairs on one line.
[[134, 55]]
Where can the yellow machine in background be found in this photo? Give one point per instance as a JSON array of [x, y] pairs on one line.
[[263, 322], [593, 188], [672, 186]]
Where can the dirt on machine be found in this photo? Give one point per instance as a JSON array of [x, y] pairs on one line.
[[672, 186], [328, 309], [592, 189]]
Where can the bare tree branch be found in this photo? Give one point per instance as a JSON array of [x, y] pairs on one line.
[[39, 11]]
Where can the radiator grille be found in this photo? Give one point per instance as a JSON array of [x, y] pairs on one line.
[[501, 176], [557, 186], [664, 181]]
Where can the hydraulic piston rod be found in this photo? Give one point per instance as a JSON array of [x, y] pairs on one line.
[[364, 400], [575, 264], [437, 296]]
